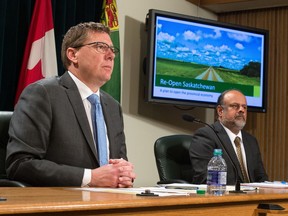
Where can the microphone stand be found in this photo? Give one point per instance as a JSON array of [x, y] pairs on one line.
[[237, 183]]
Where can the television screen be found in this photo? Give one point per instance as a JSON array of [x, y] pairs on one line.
[[191, 60]]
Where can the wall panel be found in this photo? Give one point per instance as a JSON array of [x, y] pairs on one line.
[[270, 128]]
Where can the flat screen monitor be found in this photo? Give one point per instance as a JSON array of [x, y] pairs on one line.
[[191, 60]]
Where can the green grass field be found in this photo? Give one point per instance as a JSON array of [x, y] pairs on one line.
[[192, 70]]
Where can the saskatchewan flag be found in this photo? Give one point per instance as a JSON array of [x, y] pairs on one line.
[[109, 17]]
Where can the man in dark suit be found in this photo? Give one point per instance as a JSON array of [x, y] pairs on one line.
[[51, 131], [232, 113]]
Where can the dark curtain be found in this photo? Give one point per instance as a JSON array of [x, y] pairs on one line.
[[15, 17]]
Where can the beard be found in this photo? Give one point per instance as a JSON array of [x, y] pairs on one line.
[[240, 123], [237, 123]]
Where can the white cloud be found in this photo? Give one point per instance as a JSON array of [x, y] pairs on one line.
[[214, 36], [165, 37], [182, 49], [239, 37], [239, 46], [189, 35]]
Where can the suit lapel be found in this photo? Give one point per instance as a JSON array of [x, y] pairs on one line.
[[78, 107]]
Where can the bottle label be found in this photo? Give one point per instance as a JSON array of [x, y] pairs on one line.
[[216, 177]]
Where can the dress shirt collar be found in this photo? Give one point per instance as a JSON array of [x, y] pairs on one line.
[[231, 135], [84, 90]]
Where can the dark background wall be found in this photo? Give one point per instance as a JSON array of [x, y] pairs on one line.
[[15, 18]]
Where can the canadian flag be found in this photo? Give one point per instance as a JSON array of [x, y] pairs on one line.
[[39, 60]]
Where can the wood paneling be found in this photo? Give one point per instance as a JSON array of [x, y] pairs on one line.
[[219, 6], [271, 128]]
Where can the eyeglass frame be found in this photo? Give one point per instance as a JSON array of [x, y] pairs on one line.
[[113, 49]]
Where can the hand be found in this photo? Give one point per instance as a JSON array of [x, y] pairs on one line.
[[127, 174], [118, 173]]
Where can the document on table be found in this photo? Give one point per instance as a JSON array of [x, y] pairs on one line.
[[158, 191], [175, 189], [268, 184], [204, 187]]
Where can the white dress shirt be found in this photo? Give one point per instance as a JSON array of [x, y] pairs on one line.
[[85, 92]]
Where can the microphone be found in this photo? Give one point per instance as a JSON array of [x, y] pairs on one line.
[[237, 183]]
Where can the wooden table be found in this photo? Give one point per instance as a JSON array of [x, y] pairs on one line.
[[67, 201]]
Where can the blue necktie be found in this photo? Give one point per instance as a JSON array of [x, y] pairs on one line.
[[99, 128]]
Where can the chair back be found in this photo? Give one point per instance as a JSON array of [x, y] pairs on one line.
[[172, 159], [5, 117], [4, 126]]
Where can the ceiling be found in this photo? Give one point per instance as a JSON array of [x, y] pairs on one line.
[[220, 6]]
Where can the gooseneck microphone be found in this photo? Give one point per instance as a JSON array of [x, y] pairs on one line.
[[237, 181]]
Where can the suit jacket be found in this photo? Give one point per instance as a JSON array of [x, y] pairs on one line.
[[205, 141], [50, 138]]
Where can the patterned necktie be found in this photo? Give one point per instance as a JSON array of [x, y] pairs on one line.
[[99, 128], [240, 158]]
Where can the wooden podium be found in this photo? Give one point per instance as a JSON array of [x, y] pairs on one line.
[[68, 201]]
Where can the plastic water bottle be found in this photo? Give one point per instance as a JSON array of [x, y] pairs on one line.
[[217, 174]]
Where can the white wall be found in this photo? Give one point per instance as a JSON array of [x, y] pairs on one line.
[[144, 123]]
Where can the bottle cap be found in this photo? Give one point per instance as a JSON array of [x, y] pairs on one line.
[[217, 151]]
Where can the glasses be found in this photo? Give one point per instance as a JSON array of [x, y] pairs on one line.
[[101, 47], [235, 106]]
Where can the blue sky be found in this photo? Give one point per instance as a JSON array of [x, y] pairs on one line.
[[213, 46]]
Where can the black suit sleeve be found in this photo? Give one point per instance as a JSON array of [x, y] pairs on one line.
[[30, 151], [255, 165], [201, 151]]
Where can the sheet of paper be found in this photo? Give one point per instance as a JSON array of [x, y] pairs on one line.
[[160, 191], [275, 184], [204, 186], [175, 189]]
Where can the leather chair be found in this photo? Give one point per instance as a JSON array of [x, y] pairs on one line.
[[172, 159], [5, 117]]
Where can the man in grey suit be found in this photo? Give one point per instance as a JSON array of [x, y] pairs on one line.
[[51, 131], [232, 113]]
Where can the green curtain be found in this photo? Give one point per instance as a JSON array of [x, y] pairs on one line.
[[15, 16]]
